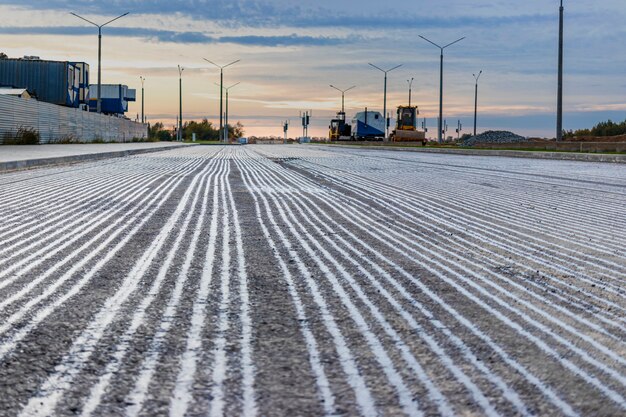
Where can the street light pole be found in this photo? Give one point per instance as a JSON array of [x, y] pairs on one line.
[[343, 92], [221, 90], [410, 87], [559, 104], [99, 102], [143, 118], [227, 89], [476, 77], [385, 93], [441, 48], [180, 103]]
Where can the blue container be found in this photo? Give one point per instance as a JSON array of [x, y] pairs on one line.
[[55, 82], [83, 81], [114, 98]]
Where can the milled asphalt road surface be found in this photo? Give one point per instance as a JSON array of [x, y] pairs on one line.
[[303, 280]]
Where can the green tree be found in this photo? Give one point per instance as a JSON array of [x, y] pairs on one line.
[[204, 130], [157, 132], [235, 132], [608, 128]]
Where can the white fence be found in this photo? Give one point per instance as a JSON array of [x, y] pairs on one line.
[[57, 123]]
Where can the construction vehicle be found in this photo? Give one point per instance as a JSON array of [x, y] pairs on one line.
[[339, 129], [368, 125], [406, 126]]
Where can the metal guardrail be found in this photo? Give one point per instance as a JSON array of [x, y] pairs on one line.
[[57, 123]]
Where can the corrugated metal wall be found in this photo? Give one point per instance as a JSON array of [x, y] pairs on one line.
[[56, 123]]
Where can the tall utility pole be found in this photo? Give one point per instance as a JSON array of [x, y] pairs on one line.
[[227, 89], [343, 93], [180, 103], [99, 102], [476, 77], [221, 91], [559, 100], [143, 117], [385, 94], [441, 48], [410, 88]]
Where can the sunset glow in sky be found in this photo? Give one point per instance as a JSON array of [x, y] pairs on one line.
[[292, 51]]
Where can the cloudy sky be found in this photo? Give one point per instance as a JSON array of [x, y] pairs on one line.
[[291, 51]]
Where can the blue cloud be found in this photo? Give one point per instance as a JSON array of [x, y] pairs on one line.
[[290, 40], [249, 13], [178, 37]]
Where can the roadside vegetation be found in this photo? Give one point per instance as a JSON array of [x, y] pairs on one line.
[[602, 129], [205, 131], [23, 136]]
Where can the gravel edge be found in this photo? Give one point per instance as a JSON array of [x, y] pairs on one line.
[[564, 156]]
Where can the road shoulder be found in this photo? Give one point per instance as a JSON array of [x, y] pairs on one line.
[[14, 158], [563, 156]]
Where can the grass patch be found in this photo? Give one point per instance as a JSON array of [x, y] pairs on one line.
[[66, 140]]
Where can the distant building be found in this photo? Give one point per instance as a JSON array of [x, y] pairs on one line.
[[56, 82]]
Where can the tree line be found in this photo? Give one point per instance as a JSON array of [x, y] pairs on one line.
[[204, 130], [608, 128]]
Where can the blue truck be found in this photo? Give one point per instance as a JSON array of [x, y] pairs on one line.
[[368, 125]]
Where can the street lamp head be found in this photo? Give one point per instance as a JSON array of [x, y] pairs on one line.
[[97, 25], [212, 63], [441, 47], [227, 88], [429, 41], [378, 68], [452, 43], [86, 20], [232, 63], [382, 70], [113, 20], [221, 67], [342, 91]]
